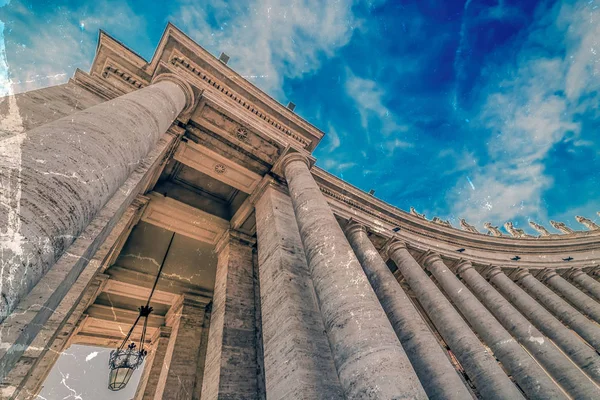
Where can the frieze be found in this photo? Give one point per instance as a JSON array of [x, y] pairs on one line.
[[181, 61]]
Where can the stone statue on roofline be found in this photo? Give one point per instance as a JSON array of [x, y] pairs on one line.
[[587, 223], [415, 213], [516, 232], [493, 230], [561, 227], [440, 221], [543, 231], [467, 227]]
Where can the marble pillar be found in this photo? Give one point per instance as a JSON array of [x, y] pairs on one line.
[[582, 355], [528, 374], [568, 315], [367, 353], [230, 370], [178, 373], [153, 364], [65, 171], [297, 359], [431, 363], [591, 285], [481, 366], [576, 297], [564, 372]]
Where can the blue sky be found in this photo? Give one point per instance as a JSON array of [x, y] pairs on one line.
[[486, 110]]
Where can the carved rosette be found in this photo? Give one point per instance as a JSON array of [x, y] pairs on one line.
[[220, 168], [242, 134]]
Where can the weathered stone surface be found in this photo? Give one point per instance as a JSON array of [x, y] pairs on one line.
[[584, 356], [63, 174], [231, 367], [41, 106], [297, 357], [437, 375], [570, 378], [567, 314], [489, 378], [178, 374], [154, 363], [528, 374], [368, 356], [587, 282], [576, 297]]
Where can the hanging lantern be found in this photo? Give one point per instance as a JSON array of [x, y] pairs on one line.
[[128, 357]]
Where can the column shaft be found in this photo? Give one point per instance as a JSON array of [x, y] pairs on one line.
[[437, 375], [66, 171], [584, 356], [525, 370], [587, 282], [231, 369], [572, 380], [368, 356], [489, 378], [580, 300], [568, 315], [178, 374], [297, 358]]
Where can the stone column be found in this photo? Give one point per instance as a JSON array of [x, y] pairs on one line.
[[154, 362], [585, 281], [584, 356], [178, 375], [481, 366], [67, 170], [297, 358], [368, 356], [568, 376], [568, 315], [437, 375], [583, 302], [230, 370], [530, 377]]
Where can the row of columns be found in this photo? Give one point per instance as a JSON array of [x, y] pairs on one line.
[[399, 356]]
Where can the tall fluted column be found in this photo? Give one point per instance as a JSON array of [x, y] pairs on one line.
[[489, 378], [585, 281], [568, 376], [582, 301], [431, 363], [66, 172], [368, 356], [585, 357], [568, 315], [527, 373]]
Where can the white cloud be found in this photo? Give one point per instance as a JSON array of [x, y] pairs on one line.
[[62, 42], [270, 39], [535, 107], [369, 97]]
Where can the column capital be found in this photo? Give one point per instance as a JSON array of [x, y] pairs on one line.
[[392, 245], [428, 258], [185, 300], [291, 157], [190, 98], [353, 227], [546, 274], [231, 234], [520, 273], [573, 273], [491, 271], [461, 265]]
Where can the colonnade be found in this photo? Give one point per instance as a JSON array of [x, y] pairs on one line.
[[513, 338]]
